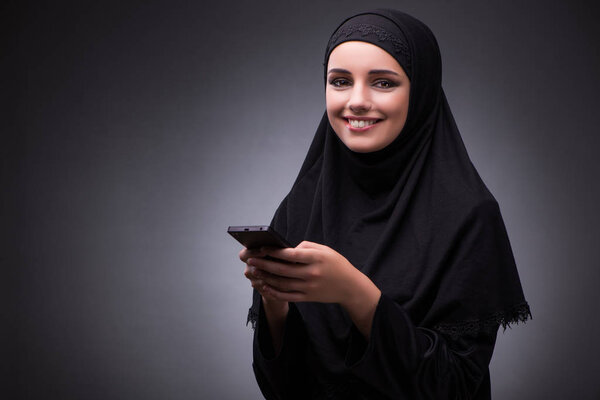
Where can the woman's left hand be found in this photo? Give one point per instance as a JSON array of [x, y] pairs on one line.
[[308, 272]]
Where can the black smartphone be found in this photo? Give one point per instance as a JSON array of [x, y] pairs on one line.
[[257, 236]]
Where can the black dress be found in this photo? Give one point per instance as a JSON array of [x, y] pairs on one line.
[[416, 218]]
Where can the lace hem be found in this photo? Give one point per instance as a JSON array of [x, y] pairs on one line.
[[252, 317], [514, 315]]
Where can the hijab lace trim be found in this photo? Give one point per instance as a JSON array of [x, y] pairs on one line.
[[489, 324], [252, 318], [517, 314], [400, 46]]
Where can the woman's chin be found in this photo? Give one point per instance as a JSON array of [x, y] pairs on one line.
[[362, 146]]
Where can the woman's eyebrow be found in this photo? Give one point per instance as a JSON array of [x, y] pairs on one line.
[[382, 71], [338, 70], [371, 72]]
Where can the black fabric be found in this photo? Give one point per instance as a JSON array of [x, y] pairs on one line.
[[417, 219], [401, 361], [372, 28]]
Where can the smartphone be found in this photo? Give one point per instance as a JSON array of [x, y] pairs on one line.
[[257, 236]]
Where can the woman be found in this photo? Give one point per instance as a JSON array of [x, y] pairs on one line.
[[402, 270]]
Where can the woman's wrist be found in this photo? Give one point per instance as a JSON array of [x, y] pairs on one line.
[[275, 312], [361, 302], [275, 309]]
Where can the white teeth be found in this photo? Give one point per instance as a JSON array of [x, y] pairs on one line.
[[360, 123]]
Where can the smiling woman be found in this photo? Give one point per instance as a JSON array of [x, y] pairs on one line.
[[367, 96], [401, 270]]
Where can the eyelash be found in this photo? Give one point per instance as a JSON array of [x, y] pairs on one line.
[[338, 82], [341, 82], [390, 84]]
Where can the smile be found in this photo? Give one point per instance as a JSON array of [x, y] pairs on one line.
[[361, 123]]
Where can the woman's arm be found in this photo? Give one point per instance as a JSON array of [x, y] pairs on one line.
[[275, 313], [362, 305]]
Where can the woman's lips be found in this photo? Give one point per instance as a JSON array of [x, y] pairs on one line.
[[360, 123]]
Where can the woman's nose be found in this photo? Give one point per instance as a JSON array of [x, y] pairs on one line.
[[359, 100]]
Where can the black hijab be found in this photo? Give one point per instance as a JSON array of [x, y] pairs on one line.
[[415, 216]]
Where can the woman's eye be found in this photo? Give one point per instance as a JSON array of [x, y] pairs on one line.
[[339, 82], [384, 84]]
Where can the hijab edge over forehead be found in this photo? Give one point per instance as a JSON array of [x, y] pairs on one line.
[[376, 29]]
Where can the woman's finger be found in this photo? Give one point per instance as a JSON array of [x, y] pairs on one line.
[[245, 254], [249, 272], [309, 245], [280, 283], [273, 293], [272, 286], [277, 268], [292, 255]]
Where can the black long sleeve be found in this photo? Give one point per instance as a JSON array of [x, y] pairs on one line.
[[400, 361], [404, 361], [283, 375]]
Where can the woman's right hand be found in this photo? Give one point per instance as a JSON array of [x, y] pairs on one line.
[[272, 306], [275, 310]]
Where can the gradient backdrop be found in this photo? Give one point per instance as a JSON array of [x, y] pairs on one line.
[[135, 132]]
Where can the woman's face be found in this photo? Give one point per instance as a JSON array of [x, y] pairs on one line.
[[367, 96]]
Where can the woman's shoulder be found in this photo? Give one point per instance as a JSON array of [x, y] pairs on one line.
[[462, 201]]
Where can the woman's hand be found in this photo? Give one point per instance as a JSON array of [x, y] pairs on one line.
[[309, 272], [274, 304], [314, 272], [275, 310]]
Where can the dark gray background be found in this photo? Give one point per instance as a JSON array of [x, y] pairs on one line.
[[138, 131]]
